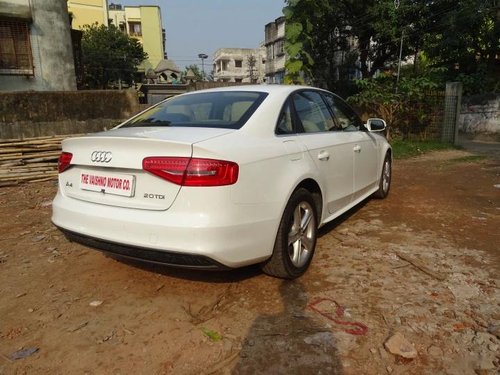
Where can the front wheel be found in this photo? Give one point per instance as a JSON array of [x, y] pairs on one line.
[[385, 179], [296, 238]]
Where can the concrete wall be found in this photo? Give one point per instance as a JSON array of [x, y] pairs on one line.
[[117, 17], [151, 36], [87, 12], [15, 8], [152, 39], [36, 114], [480, 114], [52, 52], [155, 93], [275, 59]]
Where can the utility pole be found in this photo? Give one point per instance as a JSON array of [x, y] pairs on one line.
[[396, 6], [399, 63]]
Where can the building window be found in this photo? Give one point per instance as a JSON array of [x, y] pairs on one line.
[[280, 47], [238, 63], [15, 48], [238, 80], [223, 64], [135, 28], [270, 52]]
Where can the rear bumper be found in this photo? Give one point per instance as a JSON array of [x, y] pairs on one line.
[[220, 235], [168, 258]]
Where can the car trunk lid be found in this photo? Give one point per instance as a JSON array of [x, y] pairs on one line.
[[106, 168]]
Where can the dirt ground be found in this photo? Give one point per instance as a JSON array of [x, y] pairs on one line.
[[424, 263]]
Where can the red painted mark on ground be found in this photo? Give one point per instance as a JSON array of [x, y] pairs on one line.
[[359, 330]]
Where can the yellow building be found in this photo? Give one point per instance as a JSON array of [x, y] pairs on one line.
[[87, 12], [143, 23]]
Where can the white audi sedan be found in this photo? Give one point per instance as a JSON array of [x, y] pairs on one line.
[[222, 178]]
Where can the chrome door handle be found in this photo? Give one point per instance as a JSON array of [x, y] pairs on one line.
[[323, 155], [357, 148]]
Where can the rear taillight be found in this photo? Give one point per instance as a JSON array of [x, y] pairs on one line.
[[64, 161], [192, 171]]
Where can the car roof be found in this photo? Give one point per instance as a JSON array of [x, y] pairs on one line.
[[266, 88]]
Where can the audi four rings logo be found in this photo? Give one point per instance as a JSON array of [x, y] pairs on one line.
[[101, 156]]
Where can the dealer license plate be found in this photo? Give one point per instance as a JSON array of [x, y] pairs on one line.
[[108, 183]]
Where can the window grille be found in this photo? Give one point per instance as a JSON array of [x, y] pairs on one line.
[[15, 48], [135, 28]]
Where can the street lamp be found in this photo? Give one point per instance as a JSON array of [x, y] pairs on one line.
[[203, 56]]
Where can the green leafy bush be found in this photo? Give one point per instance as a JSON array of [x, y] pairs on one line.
[[407, 109]]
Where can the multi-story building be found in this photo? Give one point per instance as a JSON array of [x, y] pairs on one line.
[[239, 65], [276, 55], [35, 49], [88, 12], [275, 50], [142, 22]]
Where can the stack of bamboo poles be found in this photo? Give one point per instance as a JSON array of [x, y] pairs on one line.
[[29, 159]]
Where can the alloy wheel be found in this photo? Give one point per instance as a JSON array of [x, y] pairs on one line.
[[301, 234]]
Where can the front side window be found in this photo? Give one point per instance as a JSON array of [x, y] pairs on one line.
[[15, 48], [312, 112], [229, 109], [347, 119]]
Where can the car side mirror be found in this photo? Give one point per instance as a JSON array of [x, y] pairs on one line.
[[375, 125]]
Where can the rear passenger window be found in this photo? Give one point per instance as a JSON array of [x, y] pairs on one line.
[[285, 124], [312, 111]]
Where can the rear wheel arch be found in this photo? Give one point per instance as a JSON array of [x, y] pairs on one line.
[[296, 237], [313, 187]]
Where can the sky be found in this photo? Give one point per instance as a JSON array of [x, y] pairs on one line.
[[203, 26]]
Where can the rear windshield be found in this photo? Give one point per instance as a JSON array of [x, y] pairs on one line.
[[227, 109]]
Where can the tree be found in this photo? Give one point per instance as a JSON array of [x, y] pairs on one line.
[[109, 56], [460, 35], [251, 66], [196, 71], [321, 35], [300, 17], [465, 40]]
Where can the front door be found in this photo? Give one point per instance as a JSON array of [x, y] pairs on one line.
[[364, 146]]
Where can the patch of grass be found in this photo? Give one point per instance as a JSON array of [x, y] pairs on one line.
[[403, 149], [468, 159], [211, 334]]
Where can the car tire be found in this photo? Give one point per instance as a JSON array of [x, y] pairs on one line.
[[384, 184], [296, 238]]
